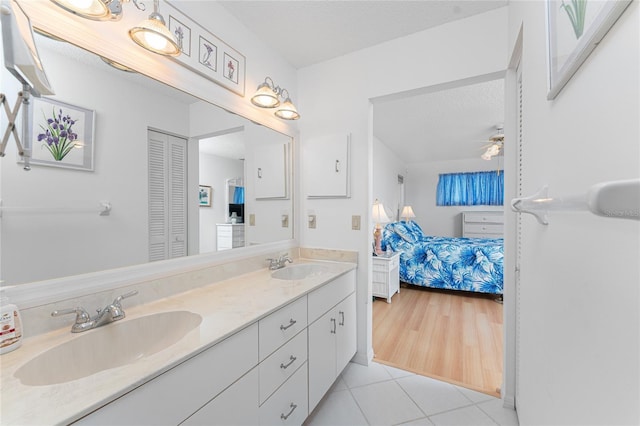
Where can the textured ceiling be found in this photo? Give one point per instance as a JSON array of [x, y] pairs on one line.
[[452, 124], [308, 32]]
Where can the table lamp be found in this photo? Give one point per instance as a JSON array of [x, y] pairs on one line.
[[379, 216], [407, 213]]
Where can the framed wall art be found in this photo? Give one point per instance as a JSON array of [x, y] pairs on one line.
[[204, 195], [574, 28], [61, 134], [204, 53]]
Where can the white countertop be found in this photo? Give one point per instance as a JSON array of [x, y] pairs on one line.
[[226, 307]]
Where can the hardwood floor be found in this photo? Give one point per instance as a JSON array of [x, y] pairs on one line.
[[452, 336]]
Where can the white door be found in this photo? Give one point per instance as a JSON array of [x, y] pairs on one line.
[[167, 162], [322, 356], [346, 335]]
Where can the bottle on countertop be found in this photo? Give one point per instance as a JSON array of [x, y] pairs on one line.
[[10, 326]]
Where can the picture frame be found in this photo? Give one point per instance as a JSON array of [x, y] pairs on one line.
[[204, 53], [574, 29], [62, 134], [205, 194]]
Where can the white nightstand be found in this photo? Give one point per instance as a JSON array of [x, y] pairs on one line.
[[386, 275]]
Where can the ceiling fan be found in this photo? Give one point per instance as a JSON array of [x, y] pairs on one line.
[[495, 145]]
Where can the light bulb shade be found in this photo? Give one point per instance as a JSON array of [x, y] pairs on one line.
[[379, 214], [407, 212], [153, 35], [492, 151], [287, 111], [97, 10], [265, 97]]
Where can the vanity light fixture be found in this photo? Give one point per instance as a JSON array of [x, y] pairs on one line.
[[96, 10], [153, 35], [268, 95]]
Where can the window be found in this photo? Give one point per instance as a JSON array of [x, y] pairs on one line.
[[471, 189]]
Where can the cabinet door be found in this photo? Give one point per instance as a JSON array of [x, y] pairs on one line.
[[346, 334], [326, 167], [270, 172], [237, 405], [322, 356]]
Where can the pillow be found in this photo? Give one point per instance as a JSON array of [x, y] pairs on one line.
[[403, 231]]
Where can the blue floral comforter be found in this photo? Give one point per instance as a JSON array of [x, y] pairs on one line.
[[470, 264]]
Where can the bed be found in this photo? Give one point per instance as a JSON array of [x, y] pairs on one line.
[[469, 264]]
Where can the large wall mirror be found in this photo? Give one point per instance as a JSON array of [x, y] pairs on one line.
[[176, 170]]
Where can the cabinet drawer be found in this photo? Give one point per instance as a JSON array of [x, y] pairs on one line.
[[277, 328], [288, 406], [327, 296], [281, 364], [224, 231], [480, 228], [484, 217], [237, 405], [174, 395], [476, 235]]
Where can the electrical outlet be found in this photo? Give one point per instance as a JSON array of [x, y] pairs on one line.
[[252, 219], [312, 221], [355, 222]]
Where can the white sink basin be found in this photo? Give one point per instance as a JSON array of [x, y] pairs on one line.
[[109, 346], [298, 272]]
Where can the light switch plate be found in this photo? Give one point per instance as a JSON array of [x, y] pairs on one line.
[[312, 221], [355, 222], [252, 219], [285, 220]]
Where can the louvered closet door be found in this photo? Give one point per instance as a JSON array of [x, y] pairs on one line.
[[167, 196]]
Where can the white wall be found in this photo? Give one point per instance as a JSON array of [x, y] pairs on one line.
[[43, 245], [579, 295], [334, 97], [386, 168], [422, 183], [214, 171]]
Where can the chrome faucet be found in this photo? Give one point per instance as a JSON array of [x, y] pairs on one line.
[[279, 262], [110, 313]]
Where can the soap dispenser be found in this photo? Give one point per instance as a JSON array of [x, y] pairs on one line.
[[10, 326]]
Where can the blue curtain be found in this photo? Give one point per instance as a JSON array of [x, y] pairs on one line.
[[238, 195], [471, 189]]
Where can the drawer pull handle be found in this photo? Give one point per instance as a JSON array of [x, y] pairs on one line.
[[342, 316], [286, 416], [333, 320], [291, 322], [292, 359]]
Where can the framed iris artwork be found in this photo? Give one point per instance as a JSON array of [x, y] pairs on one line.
[[61, 134], [574, 29]]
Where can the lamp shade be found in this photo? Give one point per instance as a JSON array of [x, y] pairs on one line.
[[265, 97], [153, 35], [287, 111], [379, 214], [407, 212], [97, 10]]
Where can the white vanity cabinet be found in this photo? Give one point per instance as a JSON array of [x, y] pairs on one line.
[[274, 371], [332, 334], [175, 395]]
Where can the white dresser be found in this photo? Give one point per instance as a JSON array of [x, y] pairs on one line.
[[479, 224], [230, 235], [385, 280]]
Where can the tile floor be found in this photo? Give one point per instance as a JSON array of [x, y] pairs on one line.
[[382, 395]]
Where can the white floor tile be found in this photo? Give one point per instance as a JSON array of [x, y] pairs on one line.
[[339, 384], [355, 375], [337, 408], [386, 403], [475, 396], [468, 416], [503, 416], [396, 373], [420, 422], [433, 396]]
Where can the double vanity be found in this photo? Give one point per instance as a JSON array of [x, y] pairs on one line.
[[259, 348]]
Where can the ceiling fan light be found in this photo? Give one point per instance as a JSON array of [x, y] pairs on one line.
[[96, 10], [265, 97], [287, 111]]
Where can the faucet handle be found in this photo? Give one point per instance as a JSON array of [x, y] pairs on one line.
[[118, 299], [82, 316]]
